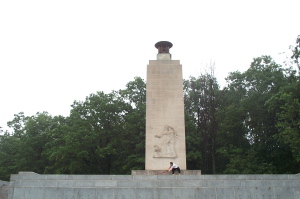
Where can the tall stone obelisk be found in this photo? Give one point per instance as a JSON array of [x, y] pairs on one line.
[[165, 127]]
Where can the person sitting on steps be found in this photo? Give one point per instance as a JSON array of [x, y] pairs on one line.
[[174, 167]]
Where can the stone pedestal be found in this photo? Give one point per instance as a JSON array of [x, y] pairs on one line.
[[29, 185], [165, 127], [164, 172]]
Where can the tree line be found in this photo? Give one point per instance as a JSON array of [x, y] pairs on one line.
[[251, 126]]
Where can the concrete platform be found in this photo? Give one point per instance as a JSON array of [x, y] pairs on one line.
[[3, 189], [164, 172], [29, 185]]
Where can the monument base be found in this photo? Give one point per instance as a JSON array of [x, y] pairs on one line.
[[29, 185], [164, 172], [3, 189]]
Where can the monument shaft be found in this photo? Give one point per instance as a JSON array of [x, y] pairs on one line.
[[165, 127]]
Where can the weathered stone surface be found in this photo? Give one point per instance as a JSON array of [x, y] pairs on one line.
[[3, 189], [34, 186], [164, 172], [165, 127]]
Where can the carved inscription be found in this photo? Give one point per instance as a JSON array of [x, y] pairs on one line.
[[166, 140]]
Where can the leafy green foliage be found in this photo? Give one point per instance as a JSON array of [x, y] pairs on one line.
[[296, 52], [201, 104], [249, 121], [286, 103], [250, 126], [103, 135]]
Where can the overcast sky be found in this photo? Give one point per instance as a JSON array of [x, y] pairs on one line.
[[55, 52]]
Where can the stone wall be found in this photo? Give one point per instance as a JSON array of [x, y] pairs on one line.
[[35, 186], [3, 189]]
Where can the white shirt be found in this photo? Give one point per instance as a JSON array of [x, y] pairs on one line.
[[174, 166]]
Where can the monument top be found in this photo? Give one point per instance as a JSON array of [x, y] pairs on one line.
[[163, 46]]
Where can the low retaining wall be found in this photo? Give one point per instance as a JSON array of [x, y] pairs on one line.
[[28, 185], [3, 189]]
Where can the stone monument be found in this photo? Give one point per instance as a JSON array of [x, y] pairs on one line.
[[165, 142], [165, 126]]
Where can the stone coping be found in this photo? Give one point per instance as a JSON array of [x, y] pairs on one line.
[[3, 183], [164, 172], [35, 176]]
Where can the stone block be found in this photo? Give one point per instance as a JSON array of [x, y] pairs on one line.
[[190, 183], [168, 183], [224, 193], [144, 177], [26, 183], [244, 192], [107, 193], [186, 193], [296, 191], [65, 183], [84, 183], [66, 193], [232, 183], [212, 183], [284, 193], [188, 177], [100, 177], [145, 193], [48, 183], [3, 183], [77, 177], [124, 193], [275, 183], [86, 193], [148, 183], [122, 177], [263, 193], [290, 183], [155, 186], [59, 177], [106, 183], [166, 177], [225, 177], [165, 193], [125, 183], [274, 177], [251, 183], [34, 192], [4, 188], [27, 176], [294, 177], [206, 193], [19, 192]]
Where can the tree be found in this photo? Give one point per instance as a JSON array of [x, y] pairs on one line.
[[92, 143], [296, 52], [286, 104], [201, 104], [134, 125], [257, 123], [24, 148], [10, 153], [103, 135]]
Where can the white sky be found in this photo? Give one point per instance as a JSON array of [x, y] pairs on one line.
[[55, 52]]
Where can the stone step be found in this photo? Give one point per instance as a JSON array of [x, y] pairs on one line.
[[164, 172], [29, 185], [156, 193], [153, 181], [157, 183], [4, 191], [35, 176]]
